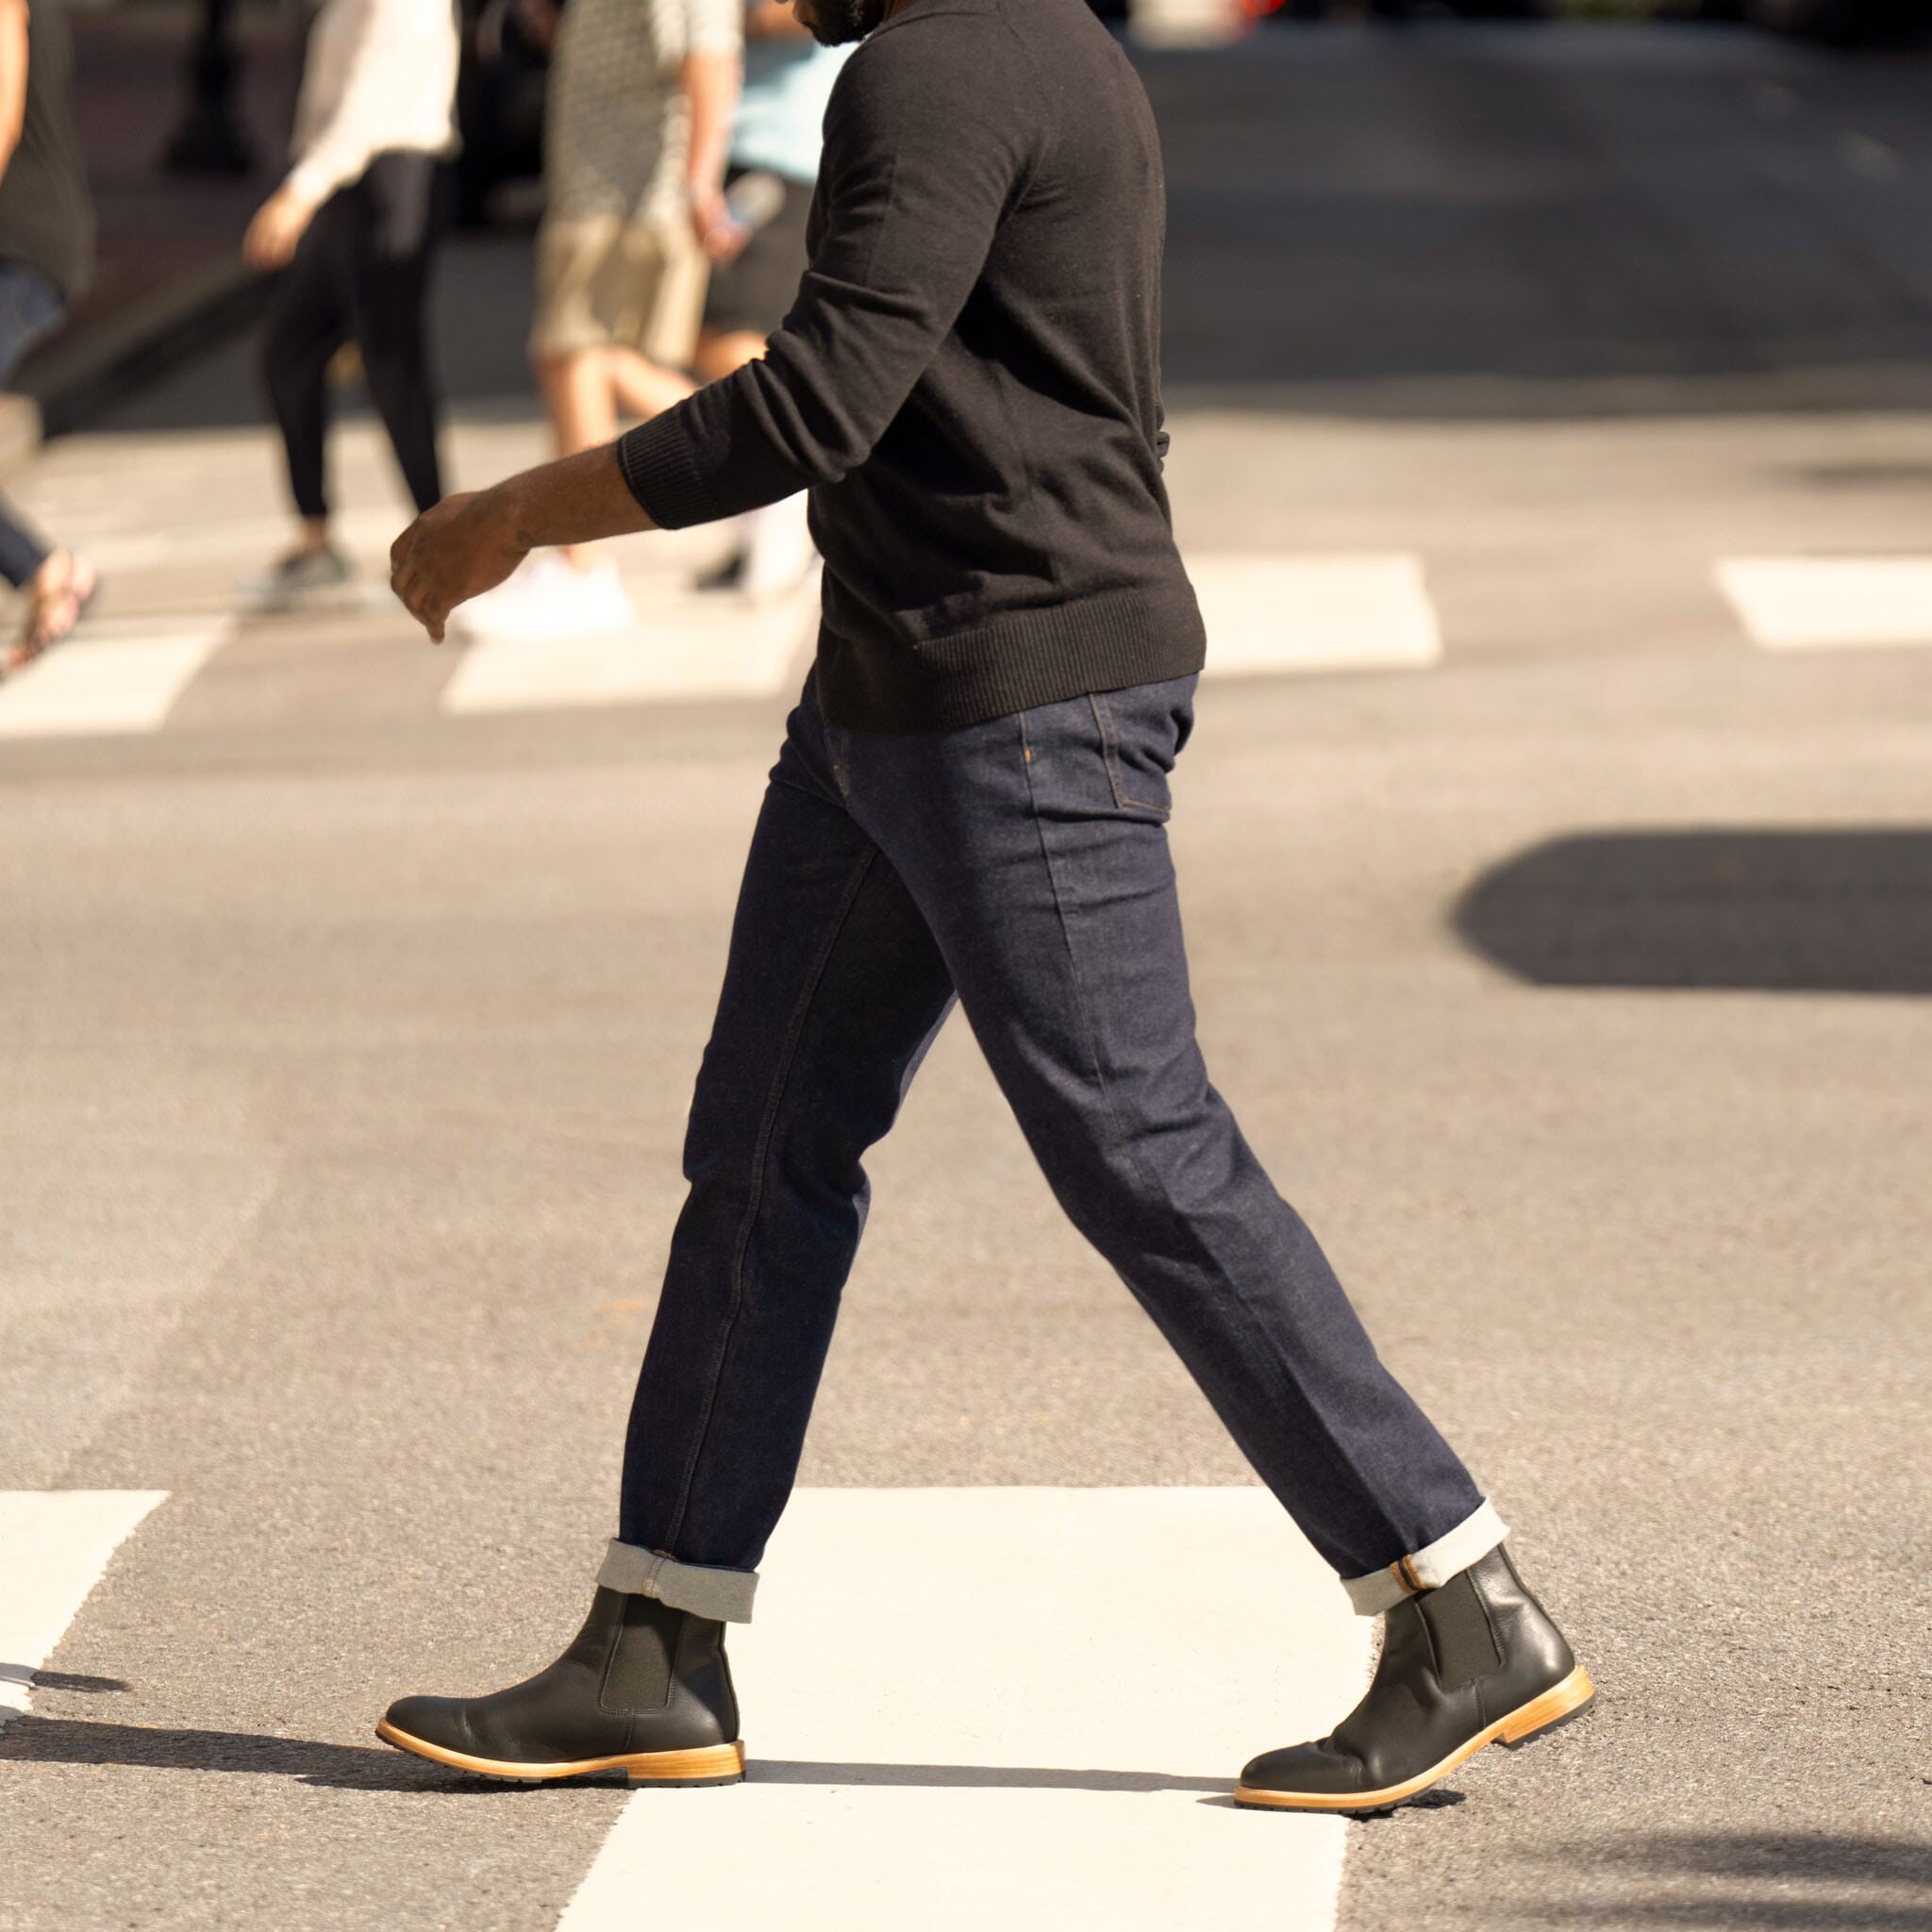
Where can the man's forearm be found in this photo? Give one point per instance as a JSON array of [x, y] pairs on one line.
[[574, 500]]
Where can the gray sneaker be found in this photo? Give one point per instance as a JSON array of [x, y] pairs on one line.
[[302, 577]]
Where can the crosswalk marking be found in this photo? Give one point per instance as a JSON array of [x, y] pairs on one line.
[[970, 1707], [1267, 615], [1817, 603], [1275, 613], [53, 1546], [686, 646], [232, 549], [112, 679]]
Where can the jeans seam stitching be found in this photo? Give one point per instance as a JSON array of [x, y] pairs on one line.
[[1110, 749], [761, 1155]]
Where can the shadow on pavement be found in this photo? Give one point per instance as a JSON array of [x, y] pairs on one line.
[[1779, 1855], [1898, 1872], [366, 1767], [359, 1767], [1739, 910], [58, 1680]]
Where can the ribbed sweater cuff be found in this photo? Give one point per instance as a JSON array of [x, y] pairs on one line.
[[660, 465]]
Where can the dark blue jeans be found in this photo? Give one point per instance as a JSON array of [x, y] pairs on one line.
[[30, 307], [1020, 866]]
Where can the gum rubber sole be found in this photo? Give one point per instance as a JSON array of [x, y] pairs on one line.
[[713, 1765], [1563, 1705]]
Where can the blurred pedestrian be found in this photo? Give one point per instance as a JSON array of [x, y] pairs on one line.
[[46, 254], [776, 137], [637, 123], [353, 229]]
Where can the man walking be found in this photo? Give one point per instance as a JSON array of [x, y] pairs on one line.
[[970, 805]]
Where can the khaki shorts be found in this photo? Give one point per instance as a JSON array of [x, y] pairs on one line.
[[603, 281]]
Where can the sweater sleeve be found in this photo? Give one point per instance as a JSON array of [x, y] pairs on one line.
[[927, 142]]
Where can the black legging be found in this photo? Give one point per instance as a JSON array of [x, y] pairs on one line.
[[362, 272]]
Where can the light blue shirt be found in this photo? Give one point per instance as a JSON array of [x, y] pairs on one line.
[[781, 113]]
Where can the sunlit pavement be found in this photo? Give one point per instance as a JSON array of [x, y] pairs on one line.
[[1556, 846]]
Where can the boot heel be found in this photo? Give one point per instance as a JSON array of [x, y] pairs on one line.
[[1569, 1700], [715, 1764]]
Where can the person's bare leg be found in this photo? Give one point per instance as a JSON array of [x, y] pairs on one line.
[[583, 410], [644, 388], [720, 353]]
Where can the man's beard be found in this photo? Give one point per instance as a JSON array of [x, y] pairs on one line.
[[839, 23]]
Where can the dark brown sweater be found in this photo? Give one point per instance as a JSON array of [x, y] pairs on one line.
[[968, 381]]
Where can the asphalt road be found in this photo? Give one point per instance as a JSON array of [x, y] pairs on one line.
[[1573, 985]]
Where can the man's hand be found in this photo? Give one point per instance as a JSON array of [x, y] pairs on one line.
[[468, 544], [465, 545], [279, 223]]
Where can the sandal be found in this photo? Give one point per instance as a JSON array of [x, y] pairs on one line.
[[56, 610]]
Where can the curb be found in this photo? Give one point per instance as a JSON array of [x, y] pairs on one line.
[[75, 378]]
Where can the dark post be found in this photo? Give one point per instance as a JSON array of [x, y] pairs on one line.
[[210, 140]]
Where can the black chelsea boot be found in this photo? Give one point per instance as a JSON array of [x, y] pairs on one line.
[[1475, 1663], [644, 1690]]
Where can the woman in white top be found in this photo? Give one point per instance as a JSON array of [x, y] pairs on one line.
[[355, 225]]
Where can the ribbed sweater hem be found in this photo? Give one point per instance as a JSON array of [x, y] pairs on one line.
[[1139, 636], [660, 467]]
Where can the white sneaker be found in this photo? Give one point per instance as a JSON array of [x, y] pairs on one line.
[[495, 612], [778, 550], [547, 597], [597, 603]]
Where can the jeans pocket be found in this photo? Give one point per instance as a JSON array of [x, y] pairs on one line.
[[1137, 762]]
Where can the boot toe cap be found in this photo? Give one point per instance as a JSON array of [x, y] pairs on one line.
[[439, 1721], [1317, 1768]]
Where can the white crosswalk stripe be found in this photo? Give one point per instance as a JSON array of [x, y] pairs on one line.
[[971, 1707], [114, 678], [1286, 613], [1821, 603], [53, 1546], [687, 646], [1265, 614], [1269, 614]]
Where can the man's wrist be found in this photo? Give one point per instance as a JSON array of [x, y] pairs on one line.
[[507, 515]]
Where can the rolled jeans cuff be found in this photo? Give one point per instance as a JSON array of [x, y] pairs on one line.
[[724, 1596], [1469, 1541]]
